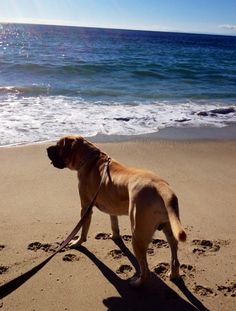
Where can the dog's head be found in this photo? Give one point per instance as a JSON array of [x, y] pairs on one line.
[[69, 151]]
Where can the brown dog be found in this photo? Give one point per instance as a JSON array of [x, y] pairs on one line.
[[146, 198]]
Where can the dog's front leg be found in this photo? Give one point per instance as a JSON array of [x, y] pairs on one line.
[[115, 228], [85, 229]]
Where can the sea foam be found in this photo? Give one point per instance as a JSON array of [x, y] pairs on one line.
[[31, 119]]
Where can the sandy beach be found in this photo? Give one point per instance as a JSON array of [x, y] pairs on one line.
[[40, 206]]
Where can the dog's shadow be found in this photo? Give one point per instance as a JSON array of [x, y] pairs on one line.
[[155, 295]]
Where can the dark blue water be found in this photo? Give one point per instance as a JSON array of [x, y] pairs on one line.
[[165, 76], [115, 63]]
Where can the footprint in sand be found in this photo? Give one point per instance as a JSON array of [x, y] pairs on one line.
[[150, 251], [102, 236], [35, 246], [3, 269], [228, 289], [124, 269], [204, 291], [2, 247], [116, 253], [162, 270], [160, 243], [188, 270], [127, 238], [70, 257], [205, 246], [46, 247]]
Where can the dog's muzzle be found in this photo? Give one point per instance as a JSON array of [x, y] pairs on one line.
[[54, 156]]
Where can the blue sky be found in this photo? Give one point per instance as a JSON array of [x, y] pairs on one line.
[[201, 16]]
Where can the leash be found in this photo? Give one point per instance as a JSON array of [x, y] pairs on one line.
[[12, 285], [87, 211]]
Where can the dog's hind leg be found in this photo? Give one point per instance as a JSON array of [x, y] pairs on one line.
[[174, 264], [140, 250], [141, 236], [115, 227]]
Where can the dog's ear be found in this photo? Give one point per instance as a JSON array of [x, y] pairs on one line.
[[66, 147], [79, 140], [70, 144]]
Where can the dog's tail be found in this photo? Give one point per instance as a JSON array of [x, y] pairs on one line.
[[172, 207]]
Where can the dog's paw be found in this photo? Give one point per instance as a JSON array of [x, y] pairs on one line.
[[76, 243], [173, 275]]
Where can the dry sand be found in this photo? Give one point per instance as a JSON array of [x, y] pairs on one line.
[[40, 204]]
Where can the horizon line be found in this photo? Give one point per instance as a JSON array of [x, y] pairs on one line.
[[42, 23]]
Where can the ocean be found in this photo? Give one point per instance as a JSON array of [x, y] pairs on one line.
[[57, 80]]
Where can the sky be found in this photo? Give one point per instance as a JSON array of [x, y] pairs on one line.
[[194, 16]]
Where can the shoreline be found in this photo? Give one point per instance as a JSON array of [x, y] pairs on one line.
[[168, 133], [174, 133]]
